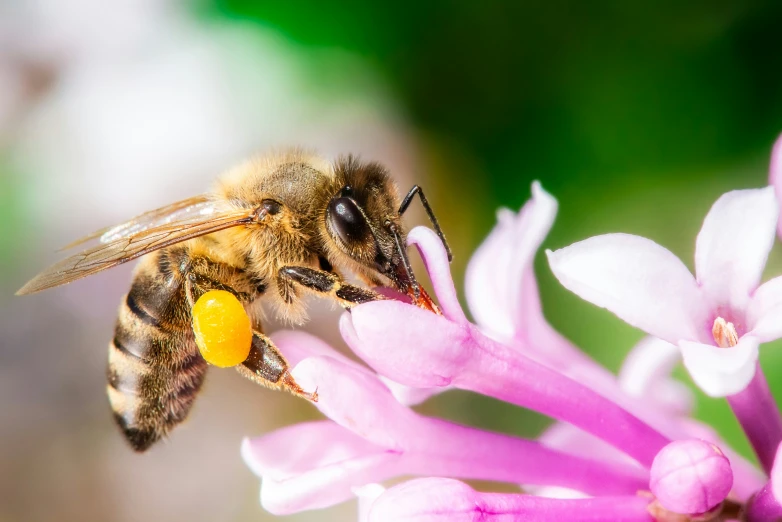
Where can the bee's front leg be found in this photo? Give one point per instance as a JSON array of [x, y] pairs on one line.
[[328, 284]]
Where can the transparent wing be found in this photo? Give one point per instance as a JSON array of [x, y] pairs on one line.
[[181, 210], [125, 246]]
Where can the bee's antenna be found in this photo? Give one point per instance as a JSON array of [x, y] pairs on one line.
[[406, 203], [411, 280]]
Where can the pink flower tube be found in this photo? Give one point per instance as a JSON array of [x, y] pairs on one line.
[[446, 500]]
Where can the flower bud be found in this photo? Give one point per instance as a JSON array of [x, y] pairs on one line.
[[690, 476]]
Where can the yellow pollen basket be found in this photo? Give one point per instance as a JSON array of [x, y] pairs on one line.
[[222, 329]]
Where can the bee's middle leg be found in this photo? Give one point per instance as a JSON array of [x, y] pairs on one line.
[[328, 284]]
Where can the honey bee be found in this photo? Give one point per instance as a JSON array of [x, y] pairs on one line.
[[272, 229]]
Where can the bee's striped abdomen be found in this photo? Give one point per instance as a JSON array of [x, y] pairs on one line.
[[155, 369]]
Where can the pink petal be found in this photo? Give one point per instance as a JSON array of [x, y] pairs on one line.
[[297, 345], [423, 331], [646, 374], [366, 497], [734, 243], [355, 399], [301, 447], [764, 313], [484, 290], [721, 371], [775, 173], [315, 465], [638, 280], [408, 395], [535, 333], [439, 270], [499, 297], [446, 500], [326, 486]]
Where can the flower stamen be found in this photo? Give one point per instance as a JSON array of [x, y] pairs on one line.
[[724, 333]]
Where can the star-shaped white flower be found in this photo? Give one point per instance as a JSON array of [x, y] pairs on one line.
[[718, 318]]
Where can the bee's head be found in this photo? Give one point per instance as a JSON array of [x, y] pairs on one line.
[[362, 219]]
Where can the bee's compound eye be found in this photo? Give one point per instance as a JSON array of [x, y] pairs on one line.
[[222, 328], [347, 220]]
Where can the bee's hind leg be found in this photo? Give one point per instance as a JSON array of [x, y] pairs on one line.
[[329, 284], [266, 366]]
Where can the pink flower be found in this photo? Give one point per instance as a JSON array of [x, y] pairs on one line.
[[610, 433], [717, 320]]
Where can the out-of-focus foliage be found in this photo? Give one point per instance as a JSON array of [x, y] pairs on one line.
[[564, 91]]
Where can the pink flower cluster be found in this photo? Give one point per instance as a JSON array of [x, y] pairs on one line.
[[624, 447]]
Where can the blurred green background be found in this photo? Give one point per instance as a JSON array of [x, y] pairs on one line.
[[635, 116]]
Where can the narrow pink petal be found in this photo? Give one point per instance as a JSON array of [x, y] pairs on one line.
[[329, 485], [301, 447], [316, 464], [485, 289], [721, 371], [499, 297], [646, 373], [764, 313], [734, 243], [439, 268], [534, 332], [469, 360], [638, 280], [446, 500], [775, 172]]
